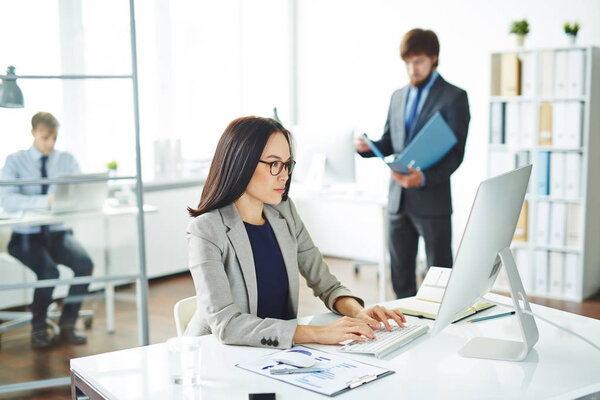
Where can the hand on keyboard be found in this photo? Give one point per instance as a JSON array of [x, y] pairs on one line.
[[386, 341], [376, 314]]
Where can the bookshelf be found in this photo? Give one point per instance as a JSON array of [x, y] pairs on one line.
[[543, 110]]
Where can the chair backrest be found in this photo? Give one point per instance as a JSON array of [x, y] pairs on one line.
[[184, 311]]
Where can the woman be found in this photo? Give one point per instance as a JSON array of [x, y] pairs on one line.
[[247, 244]]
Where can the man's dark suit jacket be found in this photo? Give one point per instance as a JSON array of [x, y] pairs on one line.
[[433, 200]]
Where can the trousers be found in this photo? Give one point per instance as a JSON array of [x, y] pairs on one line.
[[404, 231], [42, 252]]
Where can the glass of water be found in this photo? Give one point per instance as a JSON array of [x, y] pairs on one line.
[[184, 359]]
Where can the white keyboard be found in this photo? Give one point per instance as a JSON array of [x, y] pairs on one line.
[[385, 342]]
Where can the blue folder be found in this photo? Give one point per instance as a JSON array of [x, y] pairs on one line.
[[428, 146], [543, 173]]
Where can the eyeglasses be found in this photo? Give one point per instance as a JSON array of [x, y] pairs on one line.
[[277, 166]]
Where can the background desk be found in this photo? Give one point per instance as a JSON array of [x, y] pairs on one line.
[[347, 223], [559, 367]]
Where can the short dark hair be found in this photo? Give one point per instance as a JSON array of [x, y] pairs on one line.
[[235, 161], [419, 41], [44, 118]]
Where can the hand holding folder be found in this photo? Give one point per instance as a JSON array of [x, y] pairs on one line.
[[428, 147]]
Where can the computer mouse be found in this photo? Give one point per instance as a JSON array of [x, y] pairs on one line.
[[295, 359]]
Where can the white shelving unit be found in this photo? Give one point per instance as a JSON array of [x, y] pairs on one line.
[[572, 267]]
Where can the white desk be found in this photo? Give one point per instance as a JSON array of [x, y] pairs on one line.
[[560, 367]]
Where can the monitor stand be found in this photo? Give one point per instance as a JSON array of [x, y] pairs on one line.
[[508, 350]]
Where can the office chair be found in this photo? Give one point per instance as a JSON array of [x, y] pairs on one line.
[[183, 312]]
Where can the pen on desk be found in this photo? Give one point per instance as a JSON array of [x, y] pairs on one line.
[[491, 317], [286, 371]]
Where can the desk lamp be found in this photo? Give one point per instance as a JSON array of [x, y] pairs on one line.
[[10, 94]]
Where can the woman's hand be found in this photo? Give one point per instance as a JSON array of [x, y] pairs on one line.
[[376, 314], [345, 328]]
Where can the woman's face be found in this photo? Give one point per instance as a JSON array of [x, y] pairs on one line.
[[264, 186]]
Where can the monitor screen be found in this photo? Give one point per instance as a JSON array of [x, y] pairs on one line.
[[324, 153], [489, 229]]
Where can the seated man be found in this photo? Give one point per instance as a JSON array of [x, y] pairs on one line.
[[42, 248]]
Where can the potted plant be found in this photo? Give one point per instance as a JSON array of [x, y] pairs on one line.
[[521, 29], [571, 31], [112, 166]]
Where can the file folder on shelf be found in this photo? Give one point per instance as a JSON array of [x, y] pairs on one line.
[[497, 123], [543, 173], [557, 261]]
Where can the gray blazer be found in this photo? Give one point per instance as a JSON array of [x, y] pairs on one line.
[[222, 266], [433, 200]]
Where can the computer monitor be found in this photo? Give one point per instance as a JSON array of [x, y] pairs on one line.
[[324, 156], [89, 194], [484, 248]]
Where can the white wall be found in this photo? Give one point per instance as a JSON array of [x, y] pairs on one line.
[[349, 63]]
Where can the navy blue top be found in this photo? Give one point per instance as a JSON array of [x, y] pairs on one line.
[[271, 275]]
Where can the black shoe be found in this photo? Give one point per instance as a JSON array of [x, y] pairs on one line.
[[41, 339], [72, 336]]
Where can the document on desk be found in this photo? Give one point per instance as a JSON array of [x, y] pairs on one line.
[[337, 374]]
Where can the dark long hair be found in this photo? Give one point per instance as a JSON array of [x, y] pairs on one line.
[[235, 160]]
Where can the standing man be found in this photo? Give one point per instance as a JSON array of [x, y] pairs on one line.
[[420, 203], [42, 248]]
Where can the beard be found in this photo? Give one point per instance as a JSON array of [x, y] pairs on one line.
[[421, 83]]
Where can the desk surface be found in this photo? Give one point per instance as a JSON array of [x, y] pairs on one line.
[[559, 367], [46, 217]]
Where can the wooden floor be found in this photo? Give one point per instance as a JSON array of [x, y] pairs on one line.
[[20, 363]]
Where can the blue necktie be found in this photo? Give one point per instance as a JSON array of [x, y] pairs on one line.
[[412, 115]]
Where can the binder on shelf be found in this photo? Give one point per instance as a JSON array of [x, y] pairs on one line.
[[521, 229], [496, 65], [543, 173], [576, 73], [573, 124], [558, 224], [542, 225], [557, 261], [557, 174], [571, 282], [547, 74], [527, 74], [523, 158], [560, 74], [497, 123], [513, 125], [510, 75], [559, 125], [528, 137], [545, 126], [573, 175], [541, 272], [525, 267], [574, 225]]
